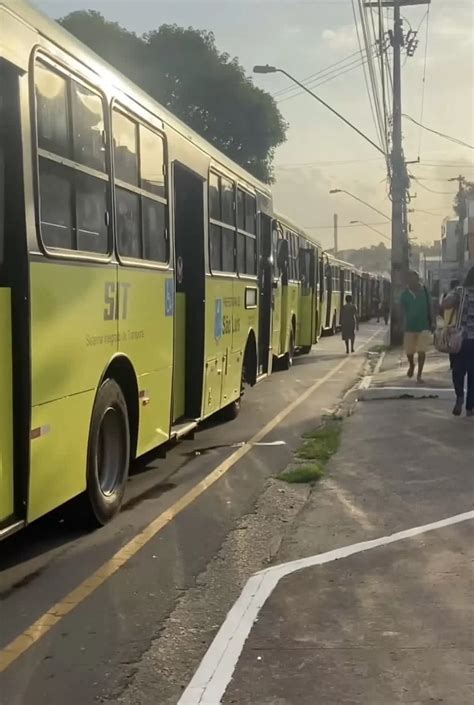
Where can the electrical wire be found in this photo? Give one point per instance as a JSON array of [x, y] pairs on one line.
[[439, 193], [314, 76], [440, 134], [423, 83], [372, 74], [322, 82], [372, 108]]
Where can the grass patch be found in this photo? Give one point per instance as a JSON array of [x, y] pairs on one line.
[[322, 443], [318, 447], [311, 472], [379, 349]]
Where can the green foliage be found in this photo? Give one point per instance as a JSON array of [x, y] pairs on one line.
[[318, 447], [207, 89], [321, 444], [303, 473], [459, 205]]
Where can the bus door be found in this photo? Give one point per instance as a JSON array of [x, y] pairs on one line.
[[344, 291], [188, 368], [329, 297], [277, 289], [6, 412], [265, 275], [307, 305], [14, 311]]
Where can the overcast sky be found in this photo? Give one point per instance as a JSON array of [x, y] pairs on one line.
[[304, 36]]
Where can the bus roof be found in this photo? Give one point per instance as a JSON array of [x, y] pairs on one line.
[[52, 31], [297, 229]]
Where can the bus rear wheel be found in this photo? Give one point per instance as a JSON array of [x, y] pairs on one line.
[[108, 454], [288, 357]]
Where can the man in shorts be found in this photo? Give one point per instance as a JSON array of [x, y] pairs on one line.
[[416, 305]]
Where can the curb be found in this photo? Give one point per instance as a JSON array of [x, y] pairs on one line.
[[379, 393]]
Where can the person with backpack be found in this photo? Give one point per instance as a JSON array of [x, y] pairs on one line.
[[462, 362], [416, 305]]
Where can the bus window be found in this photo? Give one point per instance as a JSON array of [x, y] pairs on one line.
[[246, 238], [222, 223], [73, 201], [140, 191]]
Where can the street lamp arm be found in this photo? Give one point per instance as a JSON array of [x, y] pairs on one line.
[[379, 232], [326, 105]]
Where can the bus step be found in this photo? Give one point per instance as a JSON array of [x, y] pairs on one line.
[[184, 428], [11, 529]]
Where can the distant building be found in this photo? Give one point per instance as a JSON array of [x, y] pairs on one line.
[[468, 235], [449, 240]]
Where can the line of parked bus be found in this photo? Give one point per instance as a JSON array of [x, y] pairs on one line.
[[144, 276]]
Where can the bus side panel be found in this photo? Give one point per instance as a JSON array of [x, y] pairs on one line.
[[179, 370], [60, 431], [218, 340], [6, 413], [73, 327], [146, 339], [245, 319], [276, 305], [305, 319]]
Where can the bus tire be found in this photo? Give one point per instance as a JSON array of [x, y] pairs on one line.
[[288, 357], [305, 349], [108, 457], [231, 411]]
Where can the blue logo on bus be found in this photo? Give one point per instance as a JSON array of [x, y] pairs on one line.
[[169, 297], [218, 320]]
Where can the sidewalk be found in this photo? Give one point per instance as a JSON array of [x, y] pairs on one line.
[[389, 625]]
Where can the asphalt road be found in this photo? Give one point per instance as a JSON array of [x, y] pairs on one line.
[[94, 652]]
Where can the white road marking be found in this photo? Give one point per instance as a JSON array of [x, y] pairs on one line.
[[367, 381], [356, 512], [213, 675]]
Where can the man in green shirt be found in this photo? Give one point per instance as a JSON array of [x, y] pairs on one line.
[[416, 305]]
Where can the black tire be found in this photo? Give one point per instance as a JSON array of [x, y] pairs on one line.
[[305, 349], [108, 457], [231, 411], [287, 361]]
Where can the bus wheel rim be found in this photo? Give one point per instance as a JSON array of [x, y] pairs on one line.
[[110, 451]]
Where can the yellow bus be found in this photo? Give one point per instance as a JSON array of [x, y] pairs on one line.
[[296, 315], [135, 275]]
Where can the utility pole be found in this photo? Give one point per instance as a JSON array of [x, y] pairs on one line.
[[460, 226], [336, 241], [400, 182]]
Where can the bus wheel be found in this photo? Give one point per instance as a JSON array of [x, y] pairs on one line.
[[288, 358], [232, 410], [305, 349], [108, 454]]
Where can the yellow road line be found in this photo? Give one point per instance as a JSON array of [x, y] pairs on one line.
[[55, 614]]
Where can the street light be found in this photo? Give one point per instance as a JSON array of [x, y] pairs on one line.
[[366, 225], [273, 69], [348, 193]]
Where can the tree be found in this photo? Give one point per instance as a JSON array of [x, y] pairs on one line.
[[461, 198], [183, 70]]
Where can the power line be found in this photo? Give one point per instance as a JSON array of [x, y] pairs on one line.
[[330, 227], [298, 165], [322, 82], [439, 193], [372, 109], [440, 134], [329, 68], [423, 82]]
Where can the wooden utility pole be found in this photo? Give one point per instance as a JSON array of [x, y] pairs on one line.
[[400, 182]]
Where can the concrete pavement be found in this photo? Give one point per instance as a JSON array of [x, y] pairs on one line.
[[388, 626]]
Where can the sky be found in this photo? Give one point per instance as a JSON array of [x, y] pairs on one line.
[[321, 153]]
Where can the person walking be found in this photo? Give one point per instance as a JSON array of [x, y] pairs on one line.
[[385, 310], [462, 363], [349, 323], [416, 304]]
